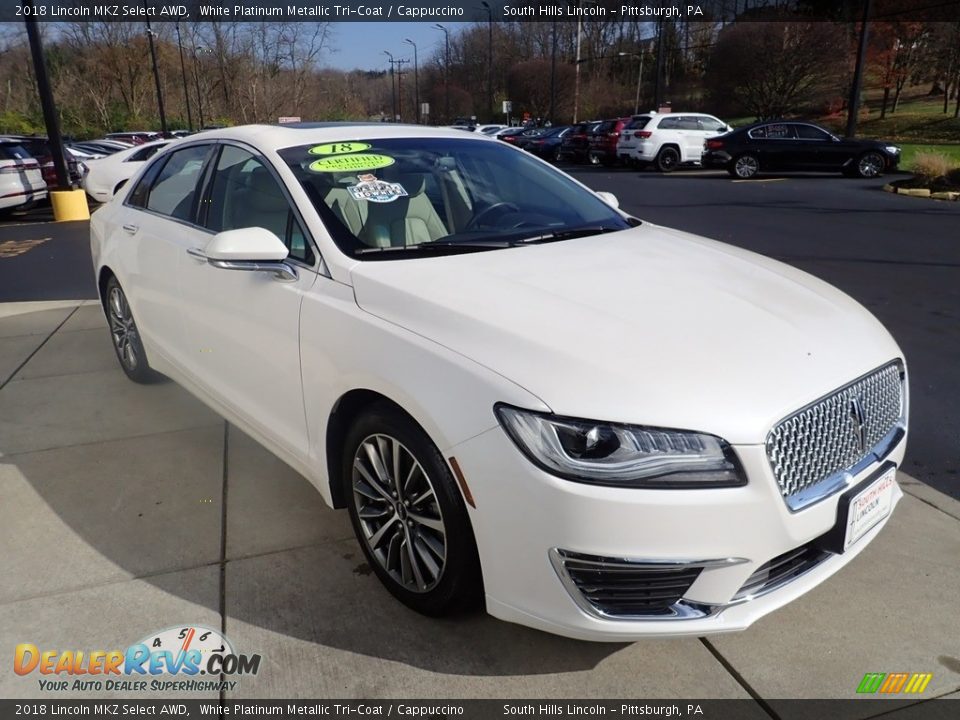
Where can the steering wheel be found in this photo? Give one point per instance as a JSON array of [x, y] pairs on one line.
[[477, 219]]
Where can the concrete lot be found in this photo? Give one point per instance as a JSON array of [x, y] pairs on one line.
[[126, 509]]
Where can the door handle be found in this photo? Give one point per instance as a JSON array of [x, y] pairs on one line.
[[130, 228]]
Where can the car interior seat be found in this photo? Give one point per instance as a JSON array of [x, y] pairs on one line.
[[408, 220], [261, 204]]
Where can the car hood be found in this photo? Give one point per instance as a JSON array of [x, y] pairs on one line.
[[648, 325]]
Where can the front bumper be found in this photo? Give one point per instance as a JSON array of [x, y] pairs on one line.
[[523, 514]]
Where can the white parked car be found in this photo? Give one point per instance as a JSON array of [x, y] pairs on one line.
[[524, 397], [667, 140], [21, 179], [108, 174]]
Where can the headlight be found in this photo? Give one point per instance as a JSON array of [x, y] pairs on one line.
[[892, 149], [621, 455]]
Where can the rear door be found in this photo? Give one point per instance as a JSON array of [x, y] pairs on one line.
[[775, 145], [159, 214]]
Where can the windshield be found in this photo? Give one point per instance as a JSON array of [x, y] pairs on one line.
[[461, 194]]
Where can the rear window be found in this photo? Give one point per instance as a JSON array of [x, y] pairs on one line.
[[14, 152], [639, 123]]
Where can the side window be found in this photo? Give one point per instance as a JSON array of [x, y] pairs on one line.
[[245, 194], [175, 188], [685, 122], [779, 131], [669, 123], [809, 132], [138, 198], [711, 124]]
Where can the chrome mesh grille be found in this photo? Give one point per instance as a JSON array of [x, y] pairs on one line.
[[825, 438]]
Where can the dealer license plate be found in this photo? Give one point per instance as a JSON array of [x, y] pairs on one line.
[[870, 506]]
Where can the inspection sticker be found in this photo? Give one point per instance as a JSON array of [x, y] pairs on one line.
[[350, 163], [339, 148], [378, 191]]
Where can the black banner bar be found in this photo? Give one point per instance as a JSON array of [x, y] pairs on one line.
[[558, 709], [471, 10]]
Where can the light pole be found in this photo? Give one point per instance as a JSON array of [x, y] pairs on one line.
[[577, 64], [636, 102], [393, 93], [183, 74], [489, 58], [446, 66], [156, 79], [553, 75], [416, 77]]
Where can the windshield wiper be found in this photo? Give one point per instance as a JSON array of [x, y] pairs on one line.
[[437, 247], [567, 234]]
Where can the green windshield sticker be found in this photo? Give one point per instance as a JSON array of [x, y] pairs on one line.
[[338, 148], [350, 163]]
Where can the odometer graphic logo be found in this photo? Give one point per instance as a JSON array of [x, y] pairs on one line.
[[183, 658]]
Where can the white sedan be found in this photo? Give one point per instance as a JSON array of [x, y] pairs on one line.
[[526, 398], [106, 175]]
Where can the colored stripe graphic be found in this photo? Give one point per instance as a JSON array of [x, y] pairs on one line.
[[871, 682], [894, 683], [918, 682]]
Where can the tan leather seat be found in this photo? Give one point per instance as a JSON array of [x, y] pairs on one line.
[[408, 220], [261, 204]]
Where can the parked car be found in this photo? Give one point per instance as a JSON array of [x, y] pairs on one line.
[[137, 138], [546, 143], [576, 143], [794, 145], [39, 148], [489, 129], [602, 141], [107, 175], [512, 135], [667, 141], [107, 147], [506, 130], [21, 180], [511, 385]]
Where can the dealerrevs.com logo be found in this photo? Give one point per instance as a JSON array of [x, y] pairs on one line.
[[179, 659], [894, 683]]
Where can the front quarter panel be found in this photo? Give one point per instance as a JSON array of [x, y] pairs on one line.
[[344, 348]]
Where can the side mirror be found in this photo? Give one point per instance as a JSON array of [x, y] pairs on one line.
[[609, 198], [254, 249]]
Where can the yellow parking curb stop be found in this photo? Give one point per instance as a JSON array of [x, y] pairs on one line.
[[69, 205]]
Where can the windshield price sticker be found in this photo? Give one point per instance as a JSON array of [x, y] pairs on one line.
[[339, 148], [350, 163]]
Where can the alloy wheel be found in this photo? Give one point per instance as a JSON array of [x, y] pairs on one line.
[[399, 513], [746, 166], [870, 165], [123, 329]]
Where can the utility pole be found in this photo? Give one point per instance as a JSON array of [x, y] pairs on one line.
[[156, 77], [661, 53], [46, 99], [854, 105], [393, 92], [553, 75], [490, 108], [400, 64], [183, 74], [446, 65], [197, 51]]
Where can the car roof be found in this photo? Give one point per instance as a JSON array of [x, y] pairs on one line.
[[292, 134]]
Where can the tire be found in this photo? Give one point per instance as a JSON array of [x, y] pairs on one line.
[[745, 166], [593, 159], [557, 156], [667, 160], [870, 165], [430, 566], [126, 336]]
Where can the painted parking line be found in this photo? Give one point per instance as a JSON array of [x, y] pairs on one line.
[[762, 180], [12, 248]]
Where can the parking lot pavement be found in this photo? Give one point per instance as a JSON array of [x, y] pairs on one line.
[[128, 509]]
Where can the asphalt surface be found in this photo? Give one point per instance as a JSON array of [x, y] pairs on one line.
[[898, 256]]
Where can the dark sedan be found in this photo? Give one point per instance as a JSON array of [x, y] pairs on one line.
[[777, 146], [546, 143], [576, 143]]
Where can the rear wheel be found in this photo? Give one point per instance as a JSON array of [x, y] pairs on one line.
[[126, 336], [408, 514], [870, 165], [667, 159], [745, 166]]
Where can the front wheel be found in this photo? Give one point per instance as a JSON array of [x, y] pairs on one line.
[[408, 514], [126, 336], [870, 165], [745, 166]]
